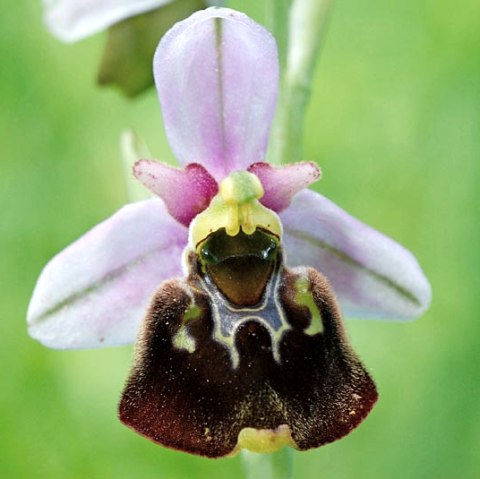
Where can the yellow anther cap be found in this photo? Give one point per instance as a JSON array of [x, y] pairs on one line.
[[235, 207]]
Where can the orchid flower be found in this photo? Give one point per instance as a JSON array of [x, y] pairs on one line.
[[245, 347]]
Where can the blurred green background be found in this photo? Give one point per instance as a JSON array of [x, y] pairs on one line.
[[394, 122]]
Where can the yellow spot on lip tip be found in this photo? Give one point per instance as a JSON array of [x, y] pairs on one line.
[[264, 440]]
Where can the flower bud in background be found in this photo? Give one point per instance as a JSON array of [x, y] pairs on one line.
[[134, 28]]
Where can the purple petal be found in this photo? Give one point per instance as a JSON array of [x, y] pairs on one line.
[[95, 292], [72, 20], [372, 275], [186, 192], [217, 79], [283, 182]]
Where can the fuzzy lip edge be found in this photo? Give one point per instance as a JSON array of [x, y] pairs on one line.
[[355, 406]]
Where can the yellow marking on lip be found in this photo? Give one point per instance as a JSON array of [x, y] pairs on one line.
[[182, 339], [264, 440], [304, 297]]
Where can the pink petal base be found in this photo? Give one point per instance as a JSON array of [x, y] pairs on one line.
[[186, 192], [282, 183]]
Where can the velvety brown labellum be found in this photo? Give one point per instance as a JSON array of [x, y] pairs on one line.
[[187, 391]]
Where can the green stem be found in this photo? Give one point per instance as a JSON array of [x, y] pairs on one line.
[[277, 20], [278, 465], [307, 23]]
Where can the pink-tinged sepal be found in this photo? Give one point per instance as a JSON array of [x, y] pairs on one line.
[[281, 183], [217, 78], [94, 292], [186, 192], [372, 275]]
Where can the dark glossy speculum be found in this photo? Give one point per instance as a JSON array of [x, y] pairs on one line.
[[241, 265]]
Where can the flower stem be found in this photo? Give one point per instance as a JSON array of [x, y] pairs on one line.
[[278, 465], [277, 21], [307, 21]]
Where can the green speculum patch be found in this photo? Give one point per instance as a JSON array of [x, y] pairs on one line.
[[240, 265]]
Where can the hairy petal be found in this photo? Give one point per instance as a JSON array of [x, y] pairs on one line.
[[372, 275], [298, 386], [186, 192], [281, 183], [217, 76], [72, 20], [94, 293]]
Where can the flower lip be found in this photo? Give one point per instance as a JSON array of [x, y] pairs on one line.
[[306, 389]]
